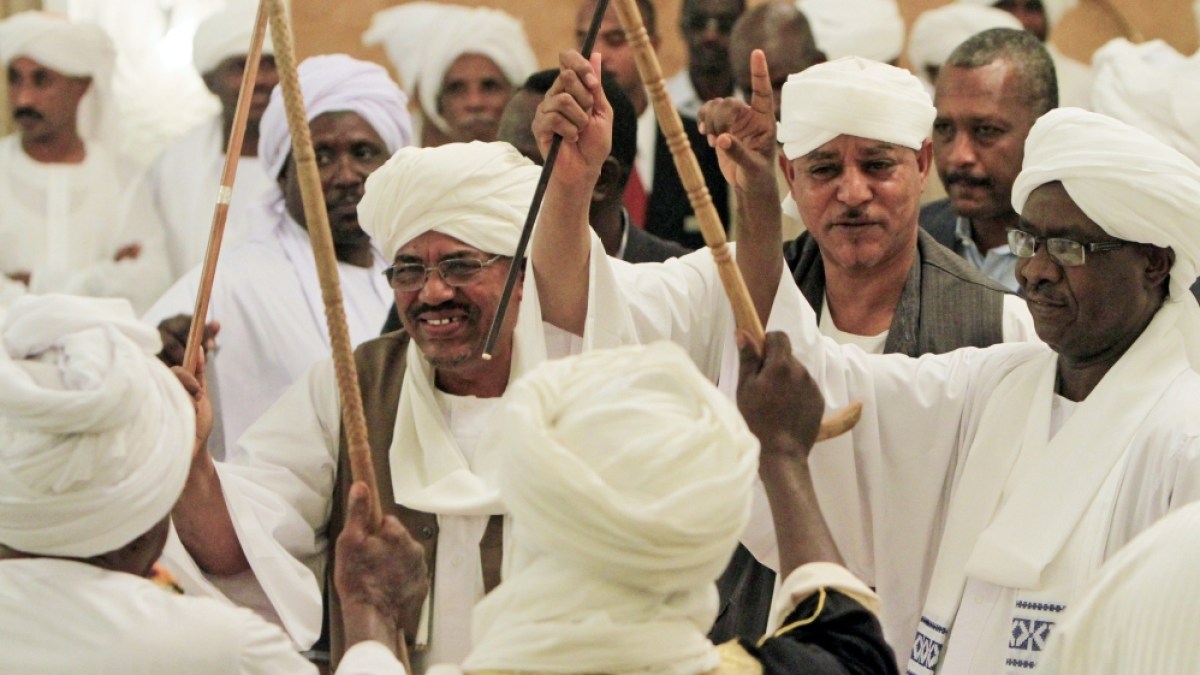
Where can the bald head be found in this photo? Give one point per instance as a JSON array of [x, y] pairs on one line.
[[783, 33]]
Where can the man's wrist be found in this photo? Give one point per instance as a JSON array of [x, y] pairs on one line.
[[363, 622]]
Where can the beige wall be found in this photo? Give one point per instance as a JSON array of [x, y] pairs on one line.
[[324, 26], [7, 8]]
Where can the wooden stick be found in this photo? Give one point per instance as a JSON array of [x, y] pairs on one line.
[[744, 314], [233, 153], [535, 206], [317, 222]]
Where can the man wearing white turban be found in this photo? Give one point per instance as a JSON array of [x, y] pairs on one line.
[[450, 217], [1039, 17], [612, 565], [96, 440], [872, 29], [1089, 439], [989, 93], [460, 63], [74, 216], [936, 33], [185, 176], [266, 296]]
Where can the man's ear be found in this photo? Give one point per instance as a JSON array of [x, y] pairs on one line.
[[611, 183], [1159, 261]]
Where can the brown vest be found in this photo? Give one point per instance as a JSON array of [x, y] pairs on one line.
[[381, 365]]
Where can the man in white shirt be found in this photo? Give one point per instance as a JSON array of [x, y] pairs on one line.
[[74, 217], [1089, 439], [186, 175], [98, 437], [265, 296]]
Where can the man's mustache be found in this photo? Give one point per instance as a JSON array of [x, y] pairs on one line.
[[964, 179], [27, 113]]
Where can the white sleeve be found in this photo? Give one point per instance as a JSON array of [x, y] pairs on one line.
[[1017, 324], [180, 298], [370, 658], [808, 579], [265, 650]]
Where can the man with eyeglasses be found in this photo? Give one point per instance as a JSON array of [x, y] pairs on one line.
[[706, 26], [988, 484], [270, 511]]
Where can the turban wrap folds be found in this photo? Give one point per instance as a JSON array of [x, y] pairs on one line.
[[872, 29], [75, 49], [423, 39], [337, 83], [226, 34], [478, 193], [937, 32], [1152, 87], [95, 433], [619, 536], [1129, 183]]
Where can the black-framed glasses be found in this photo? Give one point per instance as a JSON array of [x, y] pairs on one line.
[[1065, 252], [454, 271]]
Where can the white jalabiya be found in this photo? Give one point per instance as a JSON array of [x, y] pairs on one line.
[[1139, 614], [1152, 87], [65, 223], [617, 538], [937, 32], [872, 29], [73, 48], [1074, 79], [268, 299], [423, 39], [224, 34], [184, 181], [95, 433]]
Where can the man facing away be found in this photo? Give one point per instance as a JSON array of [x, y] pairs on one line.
[[1091, 435], [989, 93], [266, 296], [74, 216], [97, 441], [185, 176]]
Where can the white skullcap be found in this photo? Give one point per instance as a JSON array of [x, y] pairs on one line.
[[1129, 183], [337, 83], [1152, 87], [937, 32], [73, 48], [854, 97], [423, 39], [226, 34], [628, 478], [479, 193], [95, 433], [1055, 9], [872, 29]]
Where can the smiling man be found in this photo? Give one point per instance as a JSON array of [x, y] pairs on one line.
[[266, 295], [989, 93]]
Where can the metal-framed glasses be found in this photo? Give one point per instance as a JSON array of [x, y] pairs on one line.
[[1065, 252], [454, 271]]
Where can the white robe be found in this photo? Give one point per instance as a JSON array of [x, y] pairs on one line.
[[65, 616], [919, 421], [185, 179], [1074, 80], [268, 301], [65, 223]]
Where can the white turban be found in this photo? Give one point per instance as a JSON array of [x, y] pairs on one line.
[[1055, 9], [1129, 183], [628, 478], [937, 32], [226, 34], [872, 29], [423, 39], [1152, 87], [75, 49], [337, 83], [479, 193], [95, 434]]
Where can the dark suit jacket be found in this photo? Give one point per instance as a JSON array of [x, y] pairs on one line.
[[645, 247], [939, 219], [668, 208]]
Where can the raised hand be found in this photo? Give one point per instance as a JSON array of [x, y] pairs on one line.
[[576, 109], [174, 335], [744, 134]]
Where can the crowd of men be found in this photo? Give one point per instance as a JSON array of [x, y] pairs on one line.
[[627, 481]]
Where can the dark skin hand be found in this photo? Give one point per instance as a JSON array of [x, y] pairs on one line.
[[20, 277], [381, 577], [783, 406], [174, 333], [196, 386], [128, 252]]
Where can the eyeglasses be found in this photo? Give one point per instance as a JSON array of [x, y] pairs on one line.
[[1065, 252], [454, 271], [723, 23]]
